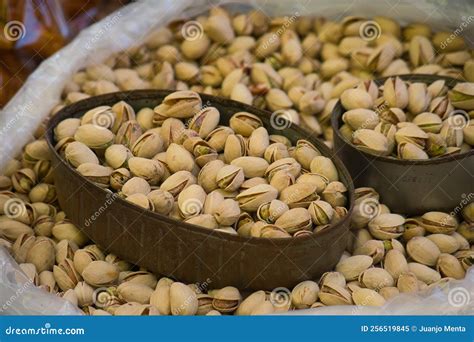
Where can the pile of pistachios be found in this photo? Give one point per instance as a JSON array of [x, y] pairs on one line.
[[388, 254], [237, 179], [409, 120], [296, 64]]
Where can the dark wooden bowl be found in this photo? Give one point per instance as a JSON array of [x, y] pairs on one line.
[[187, 252], [409, 187]]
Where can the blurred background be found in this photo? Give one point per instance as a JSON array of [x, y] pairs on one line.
[[32, 30]]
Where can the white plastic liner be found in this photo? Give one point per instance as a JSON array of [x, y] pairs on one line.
[[19, 296], [127, 27]]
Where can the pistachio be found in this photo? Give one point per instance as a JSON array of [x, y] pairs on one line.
[[21, 247], [321, 212], [462, 96], [219, 28], [65, 230], [66, 128], [332, 294], [139, 277], [395, 93], [180, 104], [244, 123], [372, 248], [23, 180], [360, 118], [179, 159], [389, 292], [12, 230], [435, 145], [335, 278], [132, 292], [438, 222], [258, 142], [98, 174], [353, 266], [320, 181], [356, 98], [78, 153], [421, 51], [449, 266], [334, 194], [204, 220], [423, 250], [226, 299], [161, 299], [100, 273], [42, 254], [324, 166], [65, 275], [84, 294], [287, 164], [249, 200], [446, 243], [395, 263], [177, 182], [147, 145], [251, 303], [252, 166], [191, 201], [411, 134], [407, 283], [136, 185], [452, 134], [84, 257], [271, 211], [387, 226], [299, 195], [227, 212], [161, 200], [93, 136], [230, 177], [304, 294], [376, 278], [148, 169], [424, 273], [277, 99], [367, 297], [294, 220], [128, 133], [235, 147]]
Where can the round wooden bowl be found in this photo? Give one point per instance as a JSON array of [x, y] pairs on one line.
[[409, 187], [187, 252]]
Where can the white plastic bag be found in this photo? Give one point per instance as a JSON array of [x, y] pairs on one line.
[[19, 296], [127, 27]]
